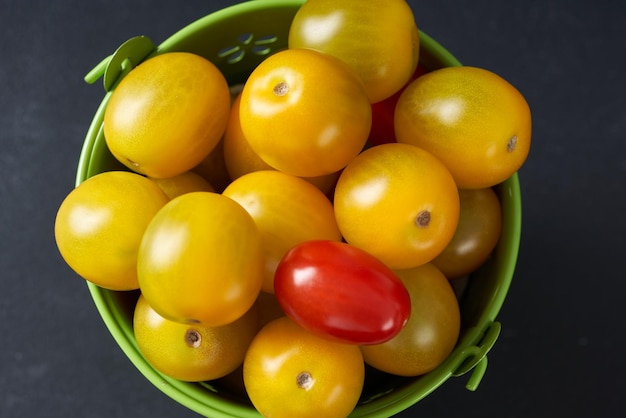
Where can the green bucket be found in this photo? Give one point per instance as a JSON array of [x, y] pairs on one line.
[[237, 39]]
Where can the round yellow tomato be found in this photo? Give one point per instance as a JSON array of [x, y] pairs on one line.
[[478, 232], [167, 114], [289, 372], [188, 352], [432, 331], [305, 113], [200, 260], [99, 226], [378, 39], [186, 182], [287, 209], [473, 120], [241, 159], [397, 202]]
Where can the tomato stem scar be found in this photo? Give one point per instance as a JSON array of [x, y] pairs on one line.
[[423, 219], [511, 144], [281, 88], [193, 338], [304, 380]]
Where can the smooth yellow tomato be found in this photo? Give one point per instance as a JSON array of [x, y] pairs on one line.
[[167, 114], [432, 331], [189, 352], [473, 120], [305, 113], [287, 209], [289, 372], [241, 159], [378, 39], [200, 260], [397, 202], [478, 232], [186, 182], [99, 226]]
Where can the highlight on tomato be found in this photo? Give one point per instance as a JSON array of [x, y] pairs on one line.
[[473, 120], [378, 39], [341, 292], [100, 224], [399, 203], [200, 260], [305, 113], [289, 372], [167, 114]]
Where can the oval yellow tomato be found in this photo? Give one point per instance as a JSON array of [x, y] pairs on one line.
[[240, 158], [287, 209], [478, 232], [200, 260], [167, 114], [431, 332], [397, 202], [378, 39], [305, 113], [289, 372], [473, 120], [100, 224], [192, 353]]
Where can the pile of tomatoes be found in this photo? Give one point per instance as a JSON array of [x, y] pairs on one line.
[[359, 185]]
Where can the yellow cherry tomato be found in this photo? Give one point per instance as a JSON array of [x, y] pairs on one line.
[[432, 331], [478, 232], [100, 224], [200, 260], [397, 202], [167, 114], [287, 209], [473, 120], [378, 39], [305, 113], [241, 159], [289, 372], [188, 352]]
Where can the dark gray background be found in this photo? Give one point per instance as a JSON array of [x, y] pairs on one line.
[[561, 348]]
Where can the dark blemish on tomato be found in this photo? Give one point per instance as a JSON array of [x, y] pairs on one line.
[[511, 144], [193, 338], [423, 219], [304, 380], [281, 88]]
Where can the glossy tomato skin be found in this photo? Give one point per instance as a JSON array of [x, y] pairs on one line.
[[477, 234], [167, 114], [378, 39], [473, 120], [431, 333], [305, 113], [289, 372], [340, 292]]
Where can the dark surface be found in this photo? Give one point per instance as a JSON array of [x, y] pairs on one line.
[[560, 351]]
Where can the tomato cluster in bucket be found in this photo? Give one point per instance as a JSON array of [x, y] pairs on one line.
[[355, 196]]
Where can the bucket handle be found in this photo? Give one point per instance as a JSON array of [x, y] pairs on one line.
[[475, 357], [114, 67]]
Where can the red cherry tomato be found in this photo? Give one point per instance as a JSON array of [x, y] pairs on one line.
[[340, 292], [382, 130]]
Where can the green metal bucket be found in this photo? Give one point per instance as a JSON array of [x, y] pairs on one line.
[[236, 39]]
